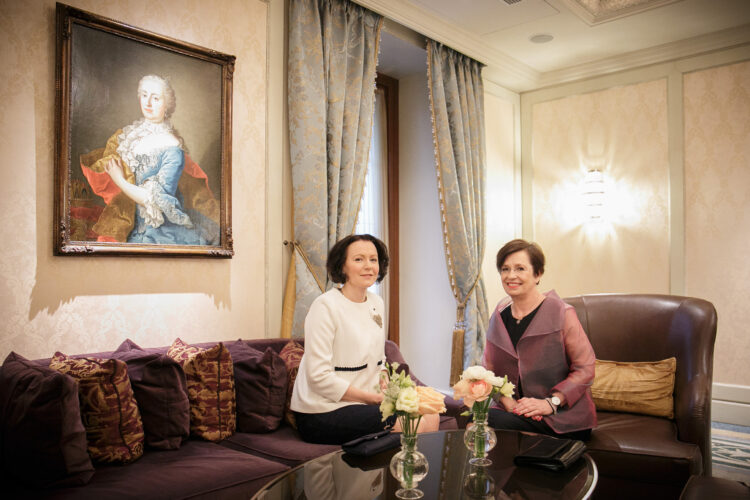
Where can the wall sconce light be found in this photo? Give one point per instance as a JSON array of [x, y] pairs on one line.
[[593, 195]]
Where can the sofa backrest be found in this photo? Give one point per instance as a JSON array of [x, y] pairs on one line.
[[649, 327]]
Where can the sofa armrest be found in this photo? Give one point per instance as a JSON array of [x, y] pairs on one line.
[[692, 415]]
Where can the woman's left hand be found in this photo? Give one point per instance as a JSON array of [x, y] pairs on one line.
[[532, 408]]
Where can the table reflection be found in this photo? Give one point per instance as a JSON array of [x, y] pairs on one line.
[[330, 478], [478, 483], [340, 476]]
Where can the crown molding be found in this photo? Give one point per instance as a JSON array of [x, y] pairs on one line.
[[592, 18], [668, 52], [503, 69], [516, 76]]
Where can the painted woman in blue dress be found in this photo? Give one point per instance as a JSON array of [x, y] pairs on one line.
[[153, 152]]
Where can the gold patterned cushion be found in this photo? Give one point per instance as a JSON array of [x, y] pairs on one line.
[[114, 430], [635, 387], [210, 383], [292, 355]]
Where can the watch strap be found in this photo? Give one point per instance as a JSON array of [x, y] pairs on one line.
[[552, 405]]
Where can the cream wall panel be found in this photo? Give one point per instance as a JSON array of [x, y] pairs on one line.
[[717, 208], [88, 304], [623, 132], [500, 113]]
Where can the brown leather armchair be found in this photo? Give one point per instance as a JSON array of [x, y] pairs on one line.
[[641, 455]]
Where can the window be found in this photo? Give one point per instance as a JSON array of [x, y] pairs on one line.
[[378, 211]]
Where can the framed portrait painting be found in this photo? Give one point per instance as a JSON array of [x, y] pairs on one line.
[[143, 142]]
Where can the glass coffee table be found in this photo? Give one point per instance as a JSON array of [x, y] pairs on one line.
[[339, 476]]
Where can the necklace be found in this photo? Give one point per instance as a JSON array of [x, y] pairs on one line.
[[518, 320]]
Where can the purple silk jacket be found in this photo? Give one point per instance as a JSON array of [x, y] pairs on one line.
[[554, 354]]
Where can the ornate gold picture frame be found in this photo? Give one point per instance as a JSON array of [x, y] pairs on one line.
[[143, 142]]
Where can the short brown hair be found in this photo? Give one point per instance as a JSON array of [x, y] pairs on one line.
[[337, 257], [533, 250]]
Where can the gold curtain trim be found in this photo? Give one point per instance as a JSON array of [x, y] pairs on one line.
[[296, 246], [290, 295], [457, 347], [441, 192]]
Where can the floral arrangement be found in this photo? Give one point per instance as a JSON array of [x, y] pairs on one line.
[[407, 401], [477, 387]]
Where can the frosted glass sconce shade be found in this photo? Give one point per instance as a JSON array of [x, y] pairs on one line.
[[594, 194]]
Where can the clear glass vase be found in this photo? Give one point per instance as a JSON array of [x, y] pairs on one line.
[[478, 484], [409, 466], [479, 437]]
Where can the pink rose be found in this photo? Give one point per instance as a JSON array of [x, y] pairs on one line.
[[471, 391], [480, 389]]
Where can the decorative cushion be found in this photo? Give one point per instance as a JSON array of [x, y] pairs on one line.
[[210, 383], [292, 355], [110, 413], [161, 391], [260, 380], [635, 387], [42, 438]]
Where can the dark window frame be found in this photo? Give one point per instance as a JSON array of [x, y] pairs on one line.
[[389, 86]]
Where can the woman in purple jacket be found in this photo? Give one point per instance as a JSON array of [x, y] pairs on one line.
[[536, 339]]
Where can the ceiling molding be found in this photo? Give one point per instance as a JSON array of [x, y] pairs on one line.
[[605, 13], [516, 76], [668, 52], [512, 74]]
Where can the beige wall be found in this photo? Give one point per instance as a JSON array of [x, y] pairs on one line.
[[717, 206], [673, 141], [503, 219], [623, 132], [88, 304]]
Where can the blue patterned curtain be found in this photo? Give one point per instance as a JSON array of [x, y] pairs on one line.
[[457, 105], [333, 48]]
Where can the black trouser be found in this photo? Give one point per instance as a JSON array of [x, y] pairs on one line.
[[342, 425], [499, 419]]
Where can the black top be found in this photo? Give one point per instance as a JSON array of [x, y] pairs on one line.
[[516, 328]]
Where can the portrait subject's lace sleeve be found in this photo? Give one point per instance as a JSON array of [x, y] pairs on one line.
[[161, 202]]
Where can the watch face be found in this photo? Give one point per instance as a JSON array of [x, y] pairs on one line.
[[555, 400]]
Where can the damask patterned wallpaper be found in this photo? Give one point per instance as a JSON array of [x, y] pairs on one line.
[[621, 131], [717, 207], [89, 304]]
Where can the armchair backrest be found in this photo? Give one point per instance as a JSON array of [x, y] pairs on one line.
[[642, 327]]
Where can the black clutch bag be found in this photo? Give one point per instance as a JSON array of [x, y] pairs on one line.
[[546, 452], [372, 444]]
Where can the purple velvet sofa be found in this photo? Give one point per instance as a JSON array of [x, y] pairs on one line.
[[40, 430]]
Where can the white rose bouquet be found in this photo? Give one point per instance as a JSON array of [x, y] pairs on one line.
[[476, 388], [407, 401]]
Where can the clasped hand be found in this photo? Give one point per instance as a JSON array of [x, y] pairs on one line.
[[532, 408]]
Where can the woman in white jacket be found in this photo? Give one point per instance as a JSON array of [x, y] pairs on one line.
[[337, 393]]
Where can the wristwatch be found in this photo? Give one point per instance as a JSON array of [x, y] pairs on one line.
[[554, 402]]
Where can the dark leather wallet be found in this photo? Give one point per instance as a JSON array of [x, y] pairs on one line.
[[372, 444], [547, 452]]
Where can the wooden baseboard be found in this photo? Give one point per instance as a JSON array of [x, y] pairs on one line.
[[730, 404]]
